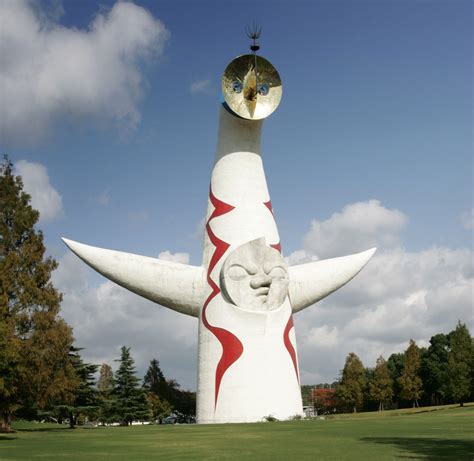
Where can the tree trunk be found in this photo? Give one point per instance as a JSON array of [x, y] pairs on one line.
[[461, 403], [380, 406], [6, 424], [355, 409]]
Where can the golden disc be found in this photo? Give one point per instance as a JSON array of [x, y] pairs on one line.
[[251, 87]]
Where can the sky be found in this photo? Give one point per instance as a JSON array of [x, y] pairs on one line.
[[109, 112]]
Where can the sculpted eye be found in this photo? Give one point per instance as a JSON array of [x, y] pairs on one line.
[[263, 89], [237, 272], [237, 86], [277, 273]]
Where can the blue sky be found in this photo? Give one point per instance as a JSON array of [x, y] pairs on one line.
[[376, 111]]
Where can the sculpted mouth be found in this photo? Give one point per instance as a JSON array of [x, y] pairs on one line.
[[262, 292]]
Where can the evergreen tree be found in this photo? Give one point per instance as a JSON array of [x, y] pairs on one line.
[[380, 386], [34, 341], [86, 399], [458, 384], [157, 390], [351, 388], [154, 380], [410, 381], [130, 399], [105, 387], [395, 365], [434, 369]]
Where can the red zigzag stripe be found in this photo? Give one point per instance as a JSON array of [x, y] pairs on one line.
[[232, 348], [289, 346], [277, 246], [289, 325]]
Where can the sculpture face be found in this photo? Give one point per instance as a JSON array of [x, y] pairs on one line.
[[254, 277]]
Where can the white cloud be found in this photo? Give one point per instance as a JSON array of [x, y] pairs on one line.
[[202, 86], [468, 219], [106, 317], [182, 258], [300, 257], [48, 71], [44, 197], [398, 296], [357, 227]]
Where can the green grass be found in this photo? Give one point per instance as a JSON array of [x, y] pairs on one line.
[[434, 433]]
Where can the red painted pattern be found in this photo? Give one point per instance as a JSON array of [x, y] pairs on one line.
[[289, 325], [269, 206], [289, 346], [232, 348], [277, 246]]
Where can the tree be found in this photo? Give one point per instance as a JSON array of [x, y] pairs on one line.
[[105, 384], [105, 387], [130, 399], [410, 381], [380, 386], [157, 390], [160, 408], [169, 391], [395, 365], [35, 342], [434, 369], [458, 383], [154, 380], [324, 398], [351, 388], [86, 399]]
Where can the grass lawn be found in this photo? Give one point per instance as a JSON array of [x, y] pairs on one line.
[[433, 433]]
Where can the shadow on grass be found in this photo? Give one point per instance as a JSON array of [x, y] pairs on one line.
[[46, 429], [4, 437], [427, 448]]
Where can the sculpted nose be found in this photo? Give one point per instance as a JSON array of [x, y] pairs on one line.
[[260, 281]]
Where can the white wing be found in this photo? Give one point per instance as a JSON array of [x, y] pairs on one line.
[[313, 281], [177, 286]]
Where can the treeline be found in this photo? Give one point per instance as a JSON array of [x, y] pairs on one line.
[[121, 397], [441, 373], [42, 373]]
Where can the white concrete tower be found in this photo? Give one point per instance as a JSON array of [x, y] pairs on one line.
[[243, 295]]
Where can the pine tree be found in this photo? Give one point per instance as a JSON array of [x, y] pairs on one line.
[[130, 399], [86, 399], [458, 383], [410, 381], [157, 391], [380, 386], [34, 341], [154, 380], [351, 388]]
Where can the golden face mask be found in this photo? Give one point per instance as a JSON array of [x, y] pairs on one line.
[[251, 87]]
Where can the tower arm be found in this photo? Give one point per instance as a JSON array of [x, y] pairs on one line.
[[177, 286], [313, 281]]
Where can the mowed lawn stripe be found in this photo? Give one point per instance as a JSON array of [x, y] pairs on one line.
[[423, 434]]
